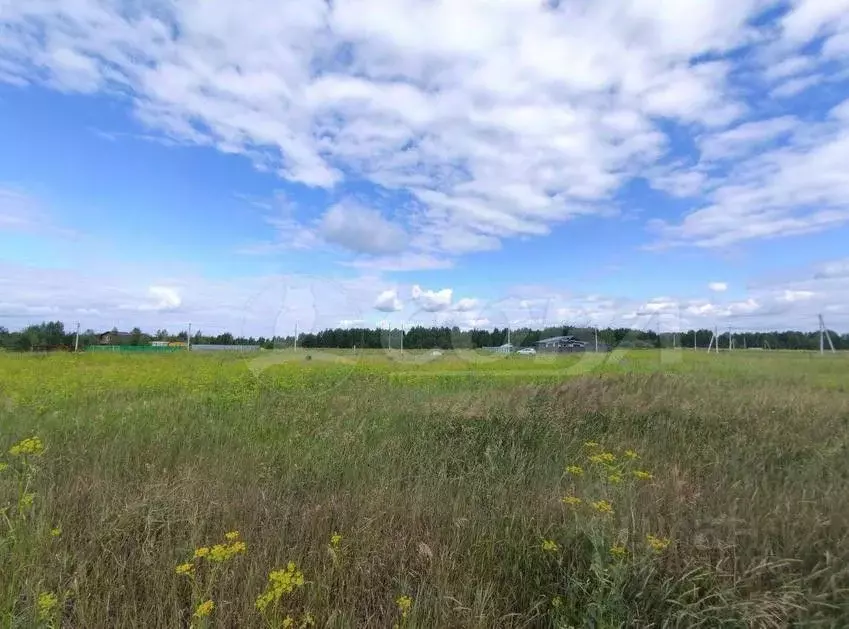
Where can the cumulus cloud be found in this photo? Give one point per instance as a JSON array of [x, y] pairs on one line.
[[746, 137], [466, 304], [833, 269], [388, 301], [270, 305], [490, 120], [361, 230], [494, 120], [164, 298], [125, 298], [432, 301], [718, 287], [795, 188]]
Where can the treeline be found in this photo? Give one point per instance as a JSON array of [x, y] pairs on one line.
[[53, 335]]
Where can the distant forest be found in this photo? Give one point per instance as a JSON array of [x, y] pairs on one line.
[[53, 335]]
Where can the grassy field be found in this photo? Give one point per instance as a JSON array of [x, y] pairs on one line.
[[419, 491]]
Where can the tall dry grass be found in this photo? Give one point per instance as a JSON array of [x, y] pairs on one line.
[[443, 489]]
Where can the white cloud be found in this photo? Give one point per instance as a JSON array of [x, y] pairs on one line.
[[795, 86], [432, 301], [361, 230], [404, 262], [809, 18], [746, 138], [466, 304], [794, 188], [164, 298], [497, 120], [718, 287], [834, 269], [790, 66], [796, 295], [388, 301], [491, 120], [125, 298], [274, 304]]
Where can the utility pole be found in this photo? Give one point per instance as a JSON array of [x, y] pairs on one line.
[[730, 339], [824, 335], [77, 338], [189, 338]]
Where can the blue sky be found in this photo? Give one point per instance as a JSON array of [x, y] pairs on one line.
[[473, 163]]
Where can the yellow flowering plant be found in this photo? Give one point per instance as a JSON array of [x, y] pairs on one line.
[[550, 546], [46, 608], [404, 604], [203, 570], [281, 583], [334, 548], [658, 544]]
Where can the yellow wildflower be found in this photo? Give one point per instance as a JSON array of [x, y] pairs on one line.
[[404, 603], [3, 466], [232, 536], [615, 478], [630, 454], [47, 602], [591, 444], [572, 501], [658, 543], [575, 470], [307, 620], [335, 540], [604, 457], [618, 551], [204, 609], [32, 445], [557, 602], [280, 582], [27, 499], [288, 622], [56, 531], [223, 552], [603, 506], [185, 568], [550, 546], [237, 548], [643, 475], [201, 552]]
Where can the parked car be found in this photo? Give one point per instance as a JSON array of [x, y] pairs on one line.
[[527, 351]]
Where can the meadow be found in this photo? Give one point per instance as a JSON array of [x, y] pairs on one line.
[[341, 490]]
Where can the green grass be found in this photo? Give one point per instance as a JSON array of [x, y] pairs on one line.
[[444, 477]]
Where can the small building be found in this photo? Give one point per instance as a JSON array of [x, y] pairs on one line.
[[560, 344], [159, 343], [568, 344], [113, 337]]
